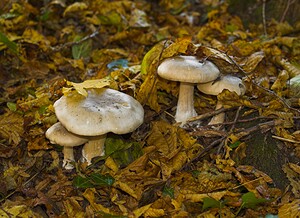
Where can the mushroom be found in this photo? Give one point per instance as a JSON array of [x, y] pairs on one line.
[[92, 117], [57, 134], [188, 70], [233, 84]]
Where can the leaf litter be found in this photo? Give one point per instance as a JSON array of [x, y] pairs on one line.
[[162, 169]]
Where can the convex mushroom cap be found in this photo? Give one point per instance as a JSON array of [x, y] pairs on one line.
[[57, 134], [188, 70], [102, 111], [231, 83]]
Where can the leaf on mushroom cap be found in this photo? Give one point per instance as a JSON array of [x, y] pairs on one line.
[[57, 134], [232, 83], [87, 84], [103, 110], [188, 69]]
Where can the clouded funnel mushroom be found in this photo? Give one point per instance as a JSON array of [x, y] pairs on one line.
[[232, 83], [188, 70], [57, 134], [102, 111]]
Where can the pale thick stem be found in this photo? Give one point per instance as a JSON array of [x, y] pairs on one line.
[[219, 118], [185, 105], [93, 148], [68, 158]]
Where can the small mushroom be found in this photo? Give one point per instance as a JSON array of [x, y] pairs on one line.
[[188, 70], [92, 117], [57, 134], [232, 83]]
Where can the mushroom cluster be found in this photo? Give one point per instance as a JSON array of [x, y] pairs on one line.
[[189, 70], [87, 120]]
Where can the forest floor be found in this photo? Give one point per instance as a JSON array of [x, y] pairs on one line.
[[247, 166]]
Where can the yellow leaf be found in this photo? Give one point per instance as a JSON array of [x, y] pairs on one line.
[[141, 210], [292, 173], [11, 127], [34, 37], [88, 84], [75, 7], [21, 211], [151, 212], [126, 188], [111, 164], [164, 137], [180, 46], [281, 82], [89, 194], [290, 209], [199, 197], [250, 63], [73, 208]]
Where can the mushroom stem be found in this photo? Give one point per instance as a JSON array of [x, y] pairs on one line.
[[93, 148], [219, 118], [68, 157], [185, 105]]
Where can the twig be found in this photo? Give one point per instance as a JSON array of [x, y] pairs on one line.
[[263, 11], [231, 129], [235, 118], [288, 4], [285, 139], [70, 44], [207, 115]]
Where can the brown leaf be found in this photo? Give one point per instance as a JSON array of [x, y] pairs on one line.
[[11, 127]]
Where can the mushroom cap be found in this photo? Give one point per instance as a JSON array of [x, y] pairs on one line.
[[232, 83], [188, 69], [103, 110], [57, 134]]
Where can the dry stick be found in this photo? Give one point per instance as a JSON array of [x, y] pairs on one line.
[[263, 11], [207, 115], [288, 4], [231, 129], [69, 44], [194, 133]]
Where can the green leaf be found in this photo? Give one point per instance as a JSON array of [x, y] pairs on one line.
[[211, 203], [151, 57], [10, 44], [102, 180], [111, 18], [251, 201], [114, 144], [235, 144], [123, 152], [81, 182], [83, 49], [12, 106], [195, 173], [168, 191]]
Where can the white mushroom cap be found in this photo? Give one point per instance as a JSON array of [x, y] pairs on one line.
[[103, 110], [57, 134], [188, 69], [232, 83]]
